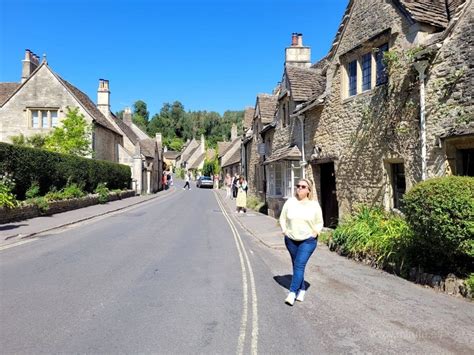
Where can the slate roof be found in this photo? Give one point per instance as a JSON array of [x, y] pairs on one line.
[[171, 154], [304, 82], [248, 117], [267, 105], [88, 105], [6, 90], [127, 130], [233, 159], [197, 161], [223, 147], [147, 147], [433, 12], [462, 130], [285, 153]]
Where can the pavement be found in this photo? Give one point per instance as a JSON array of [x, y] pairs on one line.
[[261, 226]]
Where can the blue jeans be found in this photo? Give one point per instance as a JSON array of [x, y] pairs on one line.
[[300, 252]]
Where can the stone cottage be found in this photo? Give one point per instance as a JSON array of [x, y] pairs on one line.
[[397, 105], [229, 154], [40, 101]]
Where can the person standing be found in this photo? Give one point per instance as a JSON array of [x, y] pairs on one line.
[[235, 183], [187, 177], [301, 221], [241, 201], [216, 181], [228, 185]]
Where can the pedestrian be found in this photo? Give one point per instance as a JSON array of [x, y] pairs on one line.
[[235, 183], [241, 201], [168, 180], [301, 221], [187, 177], [164, 181], [228, 185], [216, 181]]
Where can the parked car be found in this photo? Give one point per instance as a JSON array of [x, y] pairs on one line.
[[204, 181]]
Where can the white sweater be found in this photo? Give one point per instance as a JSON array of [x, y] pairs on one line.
[[300, 220]]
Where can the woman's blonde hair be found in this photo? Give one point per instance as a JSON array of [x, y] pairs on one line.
[[310, 188]]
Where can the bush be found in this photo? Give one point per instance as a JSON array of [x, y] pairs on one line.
[[33, 191], [40, 202], [254, 203], [72, 191], [470, 284], [7, 198], [441, 213], [103, 192], [375, 234], [57, 170]]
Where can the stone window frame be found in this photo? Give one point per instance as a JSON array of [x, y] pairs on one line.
[[356, 55], [48, 116]]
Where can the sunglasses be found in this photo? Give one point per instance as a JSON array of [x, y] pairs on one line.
[[301, 186]]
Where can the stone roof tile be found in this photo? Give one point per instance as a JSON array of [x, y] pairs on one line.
[[248, 117], [267, 105], [6, 90], [304, 82]]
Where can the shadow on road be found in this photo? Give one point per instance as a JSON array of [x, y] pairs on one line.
[[11, 226], [285, 281]]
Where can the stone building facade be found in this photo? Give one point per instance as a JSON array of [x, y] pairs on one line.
[[40, 102], [397, 107]]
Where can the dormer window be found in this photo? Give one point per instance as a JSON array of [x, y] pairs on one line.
[[364, 70]]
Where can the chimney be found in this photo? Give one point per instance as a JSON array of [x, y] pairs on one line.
[[103, 97], [127, 116], [297, 54], [158, 138], [29, 65], [203, 144], [233, 132]]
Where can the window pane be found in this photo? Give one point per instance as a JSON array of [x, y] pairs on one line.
[[44, 119], [278, 180], [35, 119], [381, 77], [352, 71], [54, 118], [366, 71]]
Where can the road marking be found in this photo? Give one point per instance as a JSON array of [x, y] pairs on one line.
[[243, 255], [17, 243]]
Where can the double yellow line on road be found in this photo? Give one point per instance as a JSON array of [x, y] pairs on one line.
[[245, 265]]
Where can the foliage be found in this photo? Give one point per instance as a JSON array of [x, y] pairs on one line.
[[70, 191], [37, 140], [52, 169], [180, 173], [72, 137], [441, 213], [470, 283], [175, 144], [255, 203], [7, 198], [375, 234], [211, 166], [41, 202], [33, 191], [325, 237], [103, 192]]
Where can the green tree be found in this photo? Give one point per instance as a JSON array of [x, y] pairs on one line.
[[72, 137], [140, 109]]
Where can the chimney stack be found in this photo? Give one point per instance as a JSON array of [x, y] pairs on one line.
[[103, 97], [127, 116], [203, 144], [158, 138], [233, 132], [297, 54], [29, 65]]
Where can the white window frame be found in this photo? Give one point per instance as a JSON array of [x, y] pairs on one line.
[[45, 119], [281, 178]]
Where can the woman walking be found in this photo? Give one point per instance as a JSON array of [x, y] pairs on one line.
[[228, 185], [241, 201], [301, 221]]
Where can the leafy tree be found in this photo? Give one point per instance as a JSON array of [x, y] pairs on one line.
[[72, 137], [140, 121], [35, 141], [140, 109]]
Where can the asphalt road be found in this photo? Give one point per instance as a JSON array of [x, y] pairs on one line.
[[178, 275]]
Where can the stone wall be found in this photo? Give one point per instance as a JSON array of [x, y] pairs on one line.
[[8, 215]]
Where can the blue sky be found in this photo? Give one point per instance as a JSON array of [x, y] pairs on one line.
[[212, 55]]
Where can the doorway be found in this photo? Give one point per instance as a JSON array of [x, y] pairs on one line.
[[329, 203]]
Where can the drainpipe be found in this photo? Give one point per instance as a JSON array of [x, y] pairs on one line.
[[421, 67], [303, 161]]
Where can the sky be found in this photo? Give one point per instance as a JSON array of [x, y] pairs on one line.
[[212, 55]]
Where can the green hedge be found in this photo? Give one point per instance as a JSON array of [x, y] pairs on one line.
[[441, 213], [49, 169]]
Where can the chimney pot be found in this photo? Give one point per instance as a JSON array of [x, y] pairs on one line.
[[294, 39], [300, 40]]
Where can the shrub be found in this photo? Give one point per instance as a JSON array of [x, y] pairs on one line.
[[373, 233], [470, 284], [72, 191], [7, 198], [40, 202], [103, 192], [254, 203], [441, 213], [33, 191]]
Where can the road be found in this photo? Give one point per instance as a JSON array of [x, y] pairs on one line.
[[179, 275]]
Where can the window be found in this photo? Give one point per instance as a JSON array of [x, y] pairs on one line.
[[43, 118], [366, 71], [362, 71], [282, 178], [352, 72], [380, 65]]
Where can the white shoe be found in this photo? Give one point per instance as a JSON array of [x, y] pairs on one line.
[[300, 297], [290, 299]]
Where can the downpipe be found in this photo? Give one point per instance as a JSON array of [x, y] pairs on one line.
[[421, 68]]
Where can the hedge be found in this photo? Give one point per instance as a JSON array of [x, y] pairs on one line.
[[49, 169], [441, 214]]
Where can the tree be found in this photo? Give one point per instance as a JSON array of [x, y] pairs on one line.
[[72, 137], [140, 109]]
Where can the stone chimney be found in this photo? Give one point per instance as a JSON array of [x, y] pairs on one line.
[[158, 138], [29, 65], [203, 144], [297, 54], [127, 116], [103, 97], [233, 132]]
